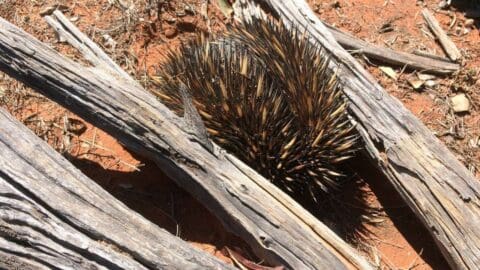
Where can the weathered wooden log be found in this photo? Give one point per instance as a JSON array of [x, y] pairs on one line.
[[89, 49], [53, 216], [422, 63], [447, 44], [444, 195], [276, 227]]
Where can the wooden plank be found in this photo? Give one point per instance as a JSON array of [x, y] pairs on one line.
[[279, 230], [444, 195], [447, 44], [53, 216]]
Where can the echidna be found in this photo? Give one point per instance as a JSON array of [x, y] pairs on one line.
[[266, 94]]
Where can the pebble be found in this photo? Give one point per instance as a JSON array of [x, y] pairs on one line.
[[416, 84], [389, 72], [430, 83], [425, 77], [460, 103]]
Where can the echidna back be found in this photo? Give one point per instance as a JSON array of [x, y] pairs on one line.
[[267, 96]]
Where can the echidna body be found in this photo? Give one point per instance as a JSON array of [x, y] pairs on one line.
[[266, 95]]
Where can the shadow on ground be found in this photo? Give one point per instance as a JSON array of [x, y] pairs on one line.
[[401, 215], [159, 199], [156, 197], [470, 7]]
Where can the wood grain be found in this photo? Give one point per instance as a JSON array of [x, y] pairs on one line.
[[279, 230], [447, 44], [410, 61], [54, 217]]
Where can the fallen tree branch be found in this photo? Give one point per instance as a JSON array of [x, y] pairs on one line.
[[447, 44], [89, 49], [411, 61], [277, 228], [53, 216], [443, 194]]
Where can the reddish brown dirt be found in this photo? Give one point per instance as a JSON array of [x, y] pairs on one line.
[[394, 239]]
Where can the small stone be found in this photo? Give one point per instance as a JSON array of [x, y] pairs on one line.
[[460, 103], [109, 41], [430, 83], [389, 72], [416, 84], [425, 77], [170, 32]]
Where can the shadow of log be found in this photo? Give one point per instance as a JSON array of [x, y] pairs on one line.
[[153, 195], [401, 215], [471, 8]]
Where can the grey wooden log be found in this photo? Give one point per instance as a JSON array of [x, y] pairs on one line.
[[53, 216], [276, 227], [444, 195], [385, 55], [89, 49], [447, 44]]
